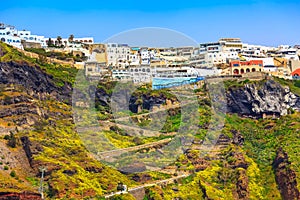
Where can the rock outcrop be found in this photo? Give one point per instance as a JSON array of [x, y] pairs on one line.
[[30, 150], [262, 99], [19, 196], [285, 176], [35, 81]]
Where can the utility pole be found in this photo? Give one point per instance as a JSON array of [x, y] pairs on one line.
[[41, 188]]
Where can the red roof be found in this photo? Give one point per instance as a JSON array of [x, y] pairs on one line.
[[296, 72]]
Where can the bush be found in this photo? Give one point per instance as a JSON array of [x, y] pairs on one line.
[[13, 174], [6, 137], [12, 141], [5, 167], [297, 84]]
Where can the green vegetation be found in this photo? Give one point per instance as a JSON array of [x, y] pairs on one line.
[[74, 167], [61, 73], [294, 85], [58, 55], [13, 174]]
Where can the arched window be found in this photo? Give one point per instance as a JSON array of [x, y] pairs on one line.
[[253, 70], [247, 70], [242, 71], [235, 71], [2, 39]]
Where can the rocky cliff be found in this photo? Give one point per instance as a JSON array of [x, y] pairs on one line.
[[262, 99], [285, 176], [35, 81]]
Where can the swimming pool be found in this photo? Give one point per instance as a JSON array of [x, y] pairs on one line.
[[160, 83]]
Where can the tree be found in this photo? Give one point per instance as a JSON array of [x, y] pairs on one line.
[[59, 40], [12, 141], [71, 38], [49, 42], [120, 186]]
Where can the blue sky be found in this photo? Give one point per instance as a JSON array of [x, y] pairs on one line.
[[259, 22]]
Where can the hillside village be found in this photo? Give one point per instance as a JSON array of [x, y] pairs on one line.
[[225, 57], [50, 148]]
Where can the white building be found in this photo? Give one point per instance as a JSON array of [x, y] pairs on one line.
[[145, 56], [141, 74], [117, 54], [270, 69], [217, 53], [121, 75], [287, 52], [76, 41], [211, 59], [28, 37], [8, 34]]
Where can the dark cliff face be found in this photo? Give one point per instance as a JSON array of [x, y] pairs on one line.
[[255, 100], [19, 196], [285, 177], [147, 102], [37, 83], [131, 102]]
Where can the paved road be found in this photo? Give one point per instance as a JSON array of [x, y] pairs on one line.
[[113, 153], [170, 180]]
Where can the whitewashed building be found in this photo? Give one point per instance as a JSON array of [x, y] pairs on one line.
[[28, 37], [217, 53], [9, 35], [141, 74], [117, 54]]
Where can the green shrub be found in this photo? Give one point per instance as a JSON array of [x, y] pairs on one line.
[[12, 141], [6, 137], [13, 174], [5, 167]]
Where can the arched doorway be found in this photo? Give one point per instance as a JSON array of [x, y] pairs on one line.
[[253, 70], [235, 71], [247, 70], [242, 71], [2, 39]]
